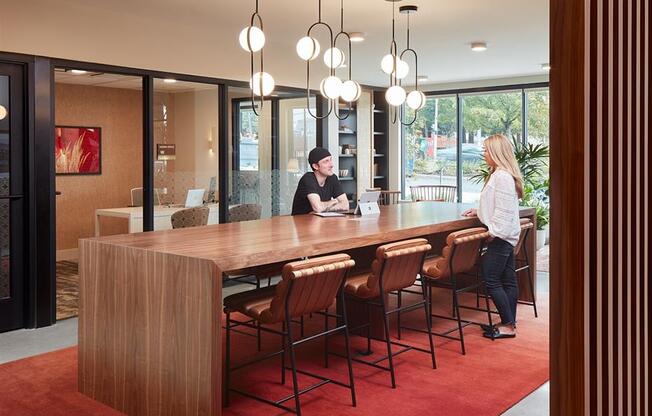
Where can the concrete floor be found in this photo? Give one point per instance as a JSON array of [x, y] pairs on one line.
[[28, 342]]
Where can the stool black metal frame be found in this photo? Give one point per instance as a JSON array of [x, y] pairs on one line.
[[452, 284], [288, 345], [522, 264], [382, 304]]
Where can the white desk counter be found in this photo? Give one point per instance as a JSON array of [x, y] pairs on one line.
[[162, 216]]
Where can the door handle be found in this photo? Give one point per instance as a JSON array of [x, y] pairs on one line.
[[11, 197]]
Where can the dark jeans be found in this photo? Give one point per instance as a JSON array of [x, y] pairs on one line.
[[500, 278]]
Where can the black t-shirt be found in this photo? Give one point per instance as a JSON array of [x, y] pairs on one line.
[[308, 185]]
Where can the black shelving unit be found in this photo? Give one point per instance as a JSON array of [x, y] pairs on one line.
[[380, 140], [348, 138]]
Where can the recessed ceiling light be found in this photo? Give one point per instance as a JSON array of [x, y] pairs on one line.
[[478, 46], [422, 78], [169, 80], [356, 36], [77, 71], [545, 67]]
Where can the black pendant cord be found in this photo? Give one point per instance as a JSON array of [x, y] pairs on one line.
[[348, 37], [331, 104], [255, 16], [416, 76]]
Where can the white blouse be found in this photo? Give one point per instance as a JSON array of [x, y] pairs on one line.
[[498, 208]]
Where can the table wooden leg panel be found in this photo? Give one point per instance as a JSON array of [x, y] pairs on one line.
[[149, 331]]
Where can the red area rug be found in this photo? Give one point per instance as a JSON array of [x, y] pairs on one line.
[[492, 377]]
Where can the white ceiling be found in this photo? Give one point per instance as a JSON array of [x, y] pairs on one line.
[[515, 30]]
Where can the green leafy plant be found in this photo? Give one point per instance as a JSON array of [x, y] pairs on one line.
[[536, 196], [531, 159]]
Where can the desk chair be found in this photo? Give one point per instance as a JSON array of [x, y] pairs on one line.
[[308, 286], [190, 217], [137, 197], [443, 193], [245, 212], [395, 268]]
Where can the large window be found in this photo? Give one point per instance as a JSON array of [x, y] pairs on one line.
[[444, 145], [431, 145]]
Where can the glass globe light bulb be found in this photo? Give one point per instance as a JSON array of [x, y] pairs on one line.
[[402, 69], [350, 91], [416, 100], [267, 83], [395, 95], [308, 48], [333, 58], [387, 64], [256, 39], [331, 87]]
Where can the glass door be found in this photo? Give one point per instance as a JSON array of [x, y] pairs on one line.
[[12, 198]]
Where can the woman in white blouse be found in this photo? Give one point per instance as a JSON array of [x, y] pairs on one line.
[[498, 210]]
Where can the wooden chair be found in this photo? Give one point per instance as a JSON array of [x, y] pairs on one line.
[[190, 217], [386, 197], [308, 286], [443, 193]]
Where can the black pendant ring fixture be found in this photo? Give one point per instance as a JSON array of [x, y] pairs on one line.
[[397, 68], [252, 40], [331, 87]]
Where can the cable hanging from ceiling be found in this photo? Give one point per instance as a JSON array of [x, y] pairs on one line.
[[252, 40]]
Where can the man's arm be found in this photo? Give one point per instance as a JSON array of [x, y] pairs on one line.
[[339, 204]]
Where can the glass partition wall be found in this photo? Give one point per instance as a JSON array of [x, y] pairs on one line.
[[185, 117], [444, 145], [270, 147]]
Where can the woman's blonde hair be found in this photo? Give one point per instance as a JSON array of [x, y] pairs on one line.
[[502, 153]]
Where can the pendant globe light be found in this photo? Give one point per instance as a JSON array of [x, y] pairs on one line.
[[396, 68], [332, 88], [415, 99], [252, 40]]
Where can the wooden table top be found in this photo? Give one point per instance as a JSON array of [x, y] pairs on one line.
[[244, 244]]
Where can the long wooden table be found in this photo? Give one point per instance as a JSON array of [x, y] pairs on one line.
[[150, 338]]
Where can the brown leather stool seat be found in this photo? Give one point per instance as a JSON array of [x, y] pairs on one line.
[[395, 267], [307, 286]]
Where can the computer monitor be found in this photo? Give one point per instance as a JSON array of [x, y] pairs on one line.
[[195, 198]]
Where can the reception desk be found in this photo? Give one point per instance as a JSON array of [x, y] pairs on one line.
[[150, 337]]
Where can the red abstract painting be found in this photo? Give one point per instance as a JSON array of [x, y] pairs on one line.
[[78, 150]]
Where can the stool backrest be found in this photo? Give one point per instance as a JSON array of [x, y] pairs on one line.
[[462, 250], [397, 264], [526, 226], [309, 285], [190, 217]]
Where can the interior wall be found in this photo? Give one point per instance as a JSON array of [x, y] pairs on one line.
[[118, 113]]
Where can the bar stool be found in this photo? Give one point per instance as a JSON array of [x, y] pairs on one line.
[[309, 286], [524, 263], [459, 257], [396, 267]]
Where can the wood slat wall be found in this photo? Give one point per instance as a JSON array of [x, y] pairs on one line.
[[600, 315]]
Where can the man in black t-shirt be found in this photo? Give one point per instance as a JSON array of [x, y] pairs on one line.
[[319, 190]]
